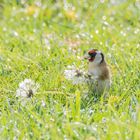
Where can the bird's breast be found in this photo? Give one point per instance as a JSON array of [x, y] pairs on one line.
[[95, 71]]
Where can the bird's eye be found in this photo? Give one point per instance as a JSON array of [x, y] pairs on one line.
[[93, 54]]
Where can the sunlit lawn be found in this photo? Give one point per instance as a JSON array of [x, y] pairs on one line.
[[38, 40]]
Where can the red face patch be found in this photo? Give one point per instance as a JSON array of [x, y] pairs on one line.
[[92, 53]]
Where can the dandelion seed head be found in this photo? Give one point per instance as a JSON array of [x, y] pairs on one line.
[[75, 75], [69, 74], [78, 80], [26, 90]]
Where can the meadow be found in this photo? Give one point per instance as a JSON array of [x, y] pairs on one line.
[[39, 39]]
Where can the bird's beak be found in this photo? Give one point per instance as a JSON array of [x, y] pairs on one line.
[[86, 56]]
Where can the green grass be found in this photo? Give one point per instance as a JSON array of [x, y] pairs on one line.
[[71, 29]]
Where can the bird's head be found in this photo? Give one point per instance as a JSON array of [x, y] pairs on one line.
[[94, 56]]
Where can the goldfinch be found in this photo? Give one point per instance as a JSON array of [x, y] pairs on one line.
[[98, 68]]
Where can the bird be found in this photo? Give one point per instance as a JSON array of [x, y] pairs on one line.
[[99, 69]]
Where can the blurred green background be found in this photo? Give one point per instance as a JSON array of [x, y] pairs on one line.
[[39, 39]]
